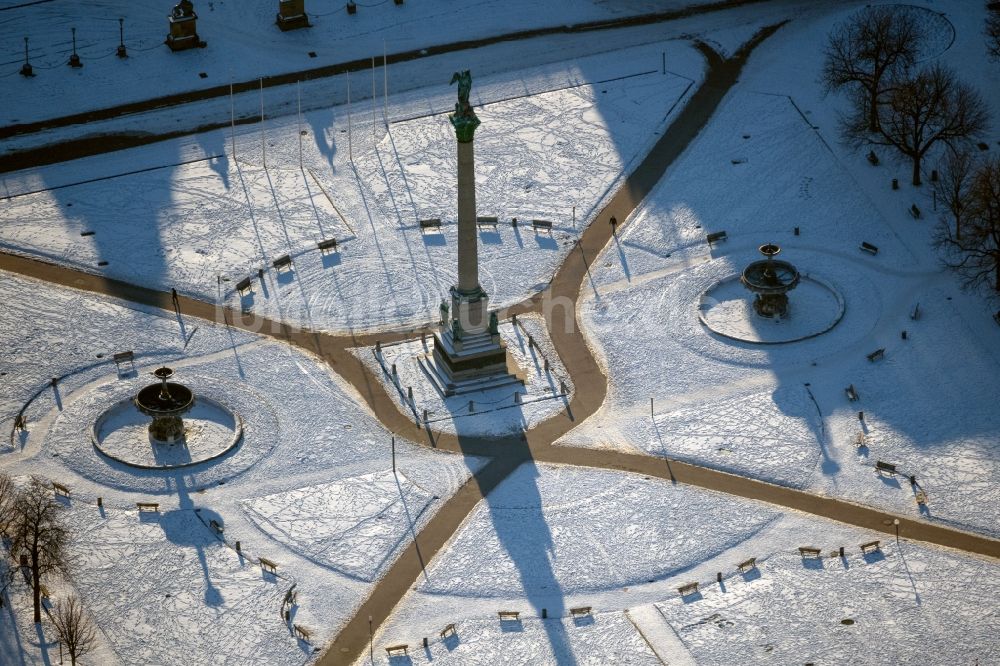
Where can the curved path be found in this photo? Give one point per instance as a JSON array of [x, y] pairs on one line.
[[537, 444]]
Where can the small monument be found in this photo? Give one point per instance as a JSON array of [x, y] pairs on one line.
[[468, 352], [166, 402], [292, 15], [183, 27], [770, 280]]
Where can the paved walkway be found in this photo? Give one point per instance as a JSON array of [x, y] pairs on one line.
[[508, 453]]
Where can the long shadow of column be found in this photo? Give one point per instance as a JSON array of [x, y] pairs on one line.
[[528, 541]]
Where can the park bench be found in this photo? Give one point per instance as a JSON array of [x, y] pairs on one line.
[[808, 551], [434, 224], [885, 468], [916, 312], [915, 212], [716, 236], [124, 357], [147, 506], [872, 158], [86, 233], [580, 611], [60, 489], [509, 616], [268, 565], [541, 225], [243, 286], [282, 262], [852, 393], [44, 591], [921, 498], [747, 565], [397, 650], [448, 631], [302, 632], [487, 221], [690, 588], [868, 247], [871, 546], [20, 423], [219, 529], [876, 355], [328, 245], [859, 440]]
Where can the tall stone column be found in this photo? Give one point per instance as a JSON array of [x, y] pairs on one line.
[[469, 303], [468, 352], [468, 236]]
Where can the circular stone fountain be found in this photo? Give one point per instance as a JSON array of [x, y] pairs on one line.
[[166, 402], [184, 431], [770, 280], [753, 306]]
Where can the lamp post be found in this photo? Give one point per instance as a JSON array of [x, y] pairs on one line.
[[26, 67], [122, 53], [74, 60]]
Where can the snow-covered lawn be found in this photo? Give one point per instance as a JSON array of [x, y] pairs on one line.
[[779, 412], [555, 538], [304, 436], [552, 531], [555, 150], [165, 590], [242, 43], [908, 604], [605, 638], [354, 526]]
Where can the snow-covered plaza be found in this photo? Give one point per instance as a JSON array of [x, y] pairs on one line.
[[661, 475]]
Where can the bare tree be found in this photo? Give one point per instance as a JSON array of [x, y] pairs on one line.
[[865, 51], [8, 491], [953, 186], [993, 30], [975, 251], [922, 110], [37, 531], [74, 628]]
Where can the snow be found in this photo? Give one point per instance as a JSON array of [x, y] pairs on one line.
[[703, 386], [605, 638], [543, 538], [280, 463], [355, 526], [547, 154], [156, 580], [311, 485], [551, 531], [242, 43], [547, 387], [793, 611]]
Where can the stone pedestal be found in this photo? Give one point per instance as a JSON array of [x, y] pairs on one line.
[[183, 33], [167, 429], [292, 15]]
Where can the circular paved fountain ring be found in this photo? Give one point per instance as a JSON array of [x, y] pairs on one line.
[[769, 318], [123, 434]]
